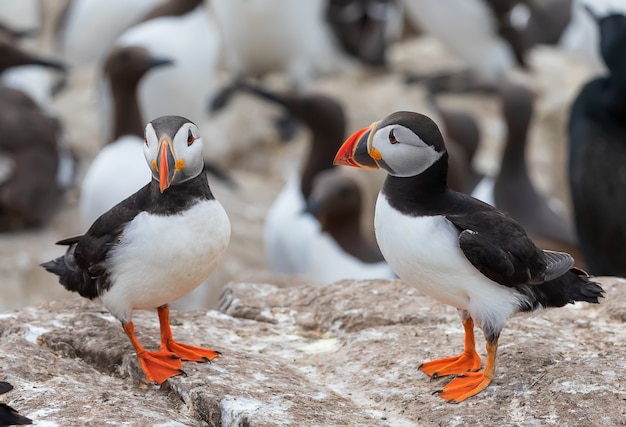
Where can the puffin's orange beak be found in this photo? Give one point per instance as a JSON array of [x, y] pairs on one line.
[[355, 150], [167, 163]]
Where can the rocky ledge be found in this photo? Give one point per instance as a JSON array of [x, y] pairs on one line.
[[344, 354]]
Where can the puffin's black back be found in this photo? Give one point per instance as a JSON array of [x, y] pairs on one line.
[[597, 144], [83, 268]]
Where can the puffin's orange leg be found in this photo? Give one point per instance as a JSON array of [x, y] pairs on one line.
[[471, 383], [469, 360], [157, 365], [186, 352]]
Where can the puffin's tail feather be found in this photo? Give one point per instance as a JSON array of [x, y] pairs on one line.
[[70, 276], [574, 285]]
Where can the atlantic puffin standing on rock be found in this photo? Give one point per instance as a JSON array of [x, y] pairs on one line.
[[155, 246], [454, 248]]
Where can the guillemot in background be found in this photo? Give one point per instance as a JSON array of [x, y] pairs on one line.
[[155, 246], [30, 151], [341, 250], [118, 169], [454, 248], [597, 157], [295, 241]]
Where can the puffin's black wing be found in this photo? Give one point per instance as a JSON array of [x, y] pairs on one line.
[[500, 248], [82, 269]]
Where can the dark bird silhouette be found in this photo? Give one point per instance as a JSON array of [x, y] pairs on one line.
[[29, 189], [597, 157]]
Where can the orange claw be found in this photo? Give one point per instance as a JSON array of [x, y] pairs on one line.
[[471, 383], [185, 351], [469, 360], [191, 353], [157, 365]]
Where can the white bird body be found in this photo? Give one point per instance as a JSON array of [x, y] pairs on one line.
[[295, 244], [156, 251], [436, 270], [262, 36], [117, 171], [192, 42], [288, 230], [91, 26], [468, 30]]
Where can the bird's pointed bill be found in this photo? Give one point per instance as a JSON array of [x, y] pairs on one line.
[[167, 163], [355, 151]]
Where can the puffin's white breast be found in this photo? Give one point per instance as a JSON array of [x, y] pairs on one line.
[[161, 258], [424, 252]]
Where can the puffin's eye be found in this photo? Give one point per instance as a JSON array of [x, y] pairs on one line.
[[190, 138], [392, 137], [145, 140]]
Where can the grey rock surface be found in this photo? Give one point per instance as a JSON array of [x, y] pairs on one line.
[[343, 354]]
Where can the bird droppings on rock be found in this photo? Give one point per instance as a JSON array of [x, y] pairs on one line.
[[315, 366]]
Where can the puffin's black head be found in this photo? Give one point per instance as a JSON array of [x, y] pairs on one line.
[[403, 143], [173, 149]]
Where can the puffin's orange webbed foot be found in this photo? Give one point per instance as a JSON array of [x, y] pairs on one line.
[[185, 351], [159, 366], [464, 386], [467, 361], [464, 362], [471, 383], [191, 353]]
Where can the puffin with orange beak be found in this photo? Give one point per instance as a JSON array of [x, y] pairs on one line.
[[454, 248], [154, 247]]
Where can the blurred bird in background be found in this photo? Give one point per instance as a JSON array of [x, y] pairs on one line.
[[498, 76], [597, 156]]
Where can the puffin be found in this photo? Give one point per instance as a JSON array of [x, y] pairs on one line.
[[454, 248], [597, 155], [154, 247], [118, 169], [8, 415]]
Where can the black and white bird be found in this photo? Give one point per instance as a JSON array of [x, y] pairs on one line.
[[8, 415], [454, 248], [154, 247]]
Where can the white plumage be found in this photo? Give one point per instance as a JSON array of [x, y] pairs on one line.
[[118, 171], [468, 30], [192, 42], [91, 26], [424, 252], [263, 36], [295, 244], [157, 251]]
